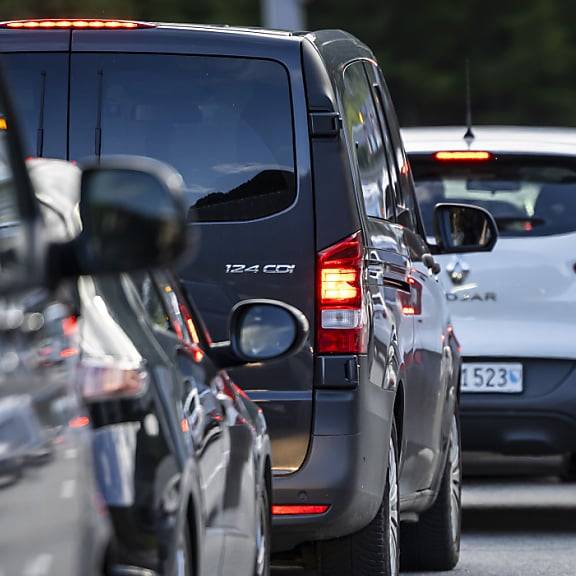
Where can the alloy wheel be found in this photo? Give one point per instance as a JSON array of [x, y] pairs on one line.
[[455, 479]]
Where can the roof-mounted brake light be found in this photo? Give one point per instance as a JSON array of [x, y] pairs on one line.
[[463, 156], [74, 23]]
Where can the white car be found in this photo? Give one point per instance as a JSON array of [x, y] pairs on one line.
[[514, 309]]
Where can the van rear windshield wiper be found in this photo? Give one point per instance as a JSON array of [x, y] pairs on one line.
[[40, 130], [98, 130]]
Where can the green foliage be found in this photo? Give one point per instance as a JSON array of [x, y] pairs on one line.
[[522, 52], [522, 55], [238, 12]]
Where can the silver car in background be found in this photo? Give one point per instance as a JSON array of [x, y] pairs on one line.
[[514, 309]]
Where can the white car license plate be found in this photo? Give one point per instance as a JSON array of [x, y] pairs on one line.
[[503, 378]]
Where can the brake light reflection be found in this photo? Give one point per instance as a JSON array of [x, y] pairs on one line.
[[463, 156]]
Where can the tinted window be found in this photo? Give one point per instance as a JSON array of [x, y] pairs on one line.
[[224, 123], [405, 198], [364, 133], [39, 83], [527, 196]]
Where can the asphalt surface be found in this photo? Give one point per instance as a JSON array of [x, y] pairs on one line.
[[519, 520]]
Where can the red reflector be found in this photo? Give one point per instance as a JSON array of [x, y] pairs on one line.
[[81, 24], [79, 422], [463, 156], [297, 509]]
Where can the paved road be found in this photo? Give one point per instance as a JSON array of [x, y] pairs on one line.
[[516, 523]]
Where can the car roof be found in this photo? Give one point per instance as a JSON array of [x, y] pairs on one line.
[[498, 139]]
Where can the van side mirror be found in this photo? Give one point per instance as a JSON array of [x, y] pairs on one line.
[[132, 215], [463, 228], [261, 331]]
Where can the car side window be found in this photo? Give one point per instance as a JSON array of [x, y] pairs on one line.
[[405, 200], [152, 301], [364, 134]]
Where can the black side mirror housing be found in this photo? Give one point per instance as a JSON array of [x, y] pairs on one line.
[[261, 331], [463, 228], [133, 217]]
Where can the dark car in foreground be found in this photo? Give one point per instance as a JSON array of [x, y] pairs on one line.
[[296, 177], [134, 448], [513, 309]]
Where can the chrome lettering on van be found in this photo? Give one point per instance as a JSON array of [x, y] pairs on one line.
[[471, 297], [260, 268]]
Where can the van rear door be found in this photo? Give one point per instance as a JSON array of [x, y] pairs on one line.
[[226, 123]]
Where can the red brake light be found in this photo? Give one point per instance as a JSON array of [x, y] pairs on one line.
[[463, 156], [80, 24], [341, 311], [297, 509]]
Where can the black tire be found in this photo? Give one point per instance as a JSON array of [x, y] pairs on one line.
[[568, 473], [263, 530], [374, 550], [433, 543]]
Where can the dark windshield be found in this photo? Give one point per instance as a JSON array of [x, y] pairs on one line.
[[528, 196], [224, 123]]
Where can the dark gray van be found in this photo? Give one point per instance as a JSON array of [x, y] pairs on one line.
[[296, 175]]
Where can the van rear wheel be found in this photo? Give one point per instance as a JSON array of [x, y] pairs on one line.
[[374, 550], [433, 543]]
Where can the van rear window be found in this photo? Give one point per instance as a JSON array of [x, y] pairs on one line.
[[527, 195], [224, 123]]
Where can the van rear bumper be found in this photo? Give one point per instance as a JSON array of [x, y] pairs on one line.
[[346, 471]]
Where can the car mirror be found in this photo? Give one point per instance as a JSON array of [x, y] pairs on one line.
[[463, 228], [261, 331], [132, 215]]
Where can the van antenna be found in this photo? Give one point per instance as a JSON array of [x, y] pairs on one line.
[[469, 134]]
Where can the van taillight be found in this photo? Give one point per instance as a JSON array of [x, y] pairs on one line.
[[342, 322]]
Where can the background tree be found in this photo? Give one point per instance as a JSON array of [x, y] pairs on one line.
[[522, 52]]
